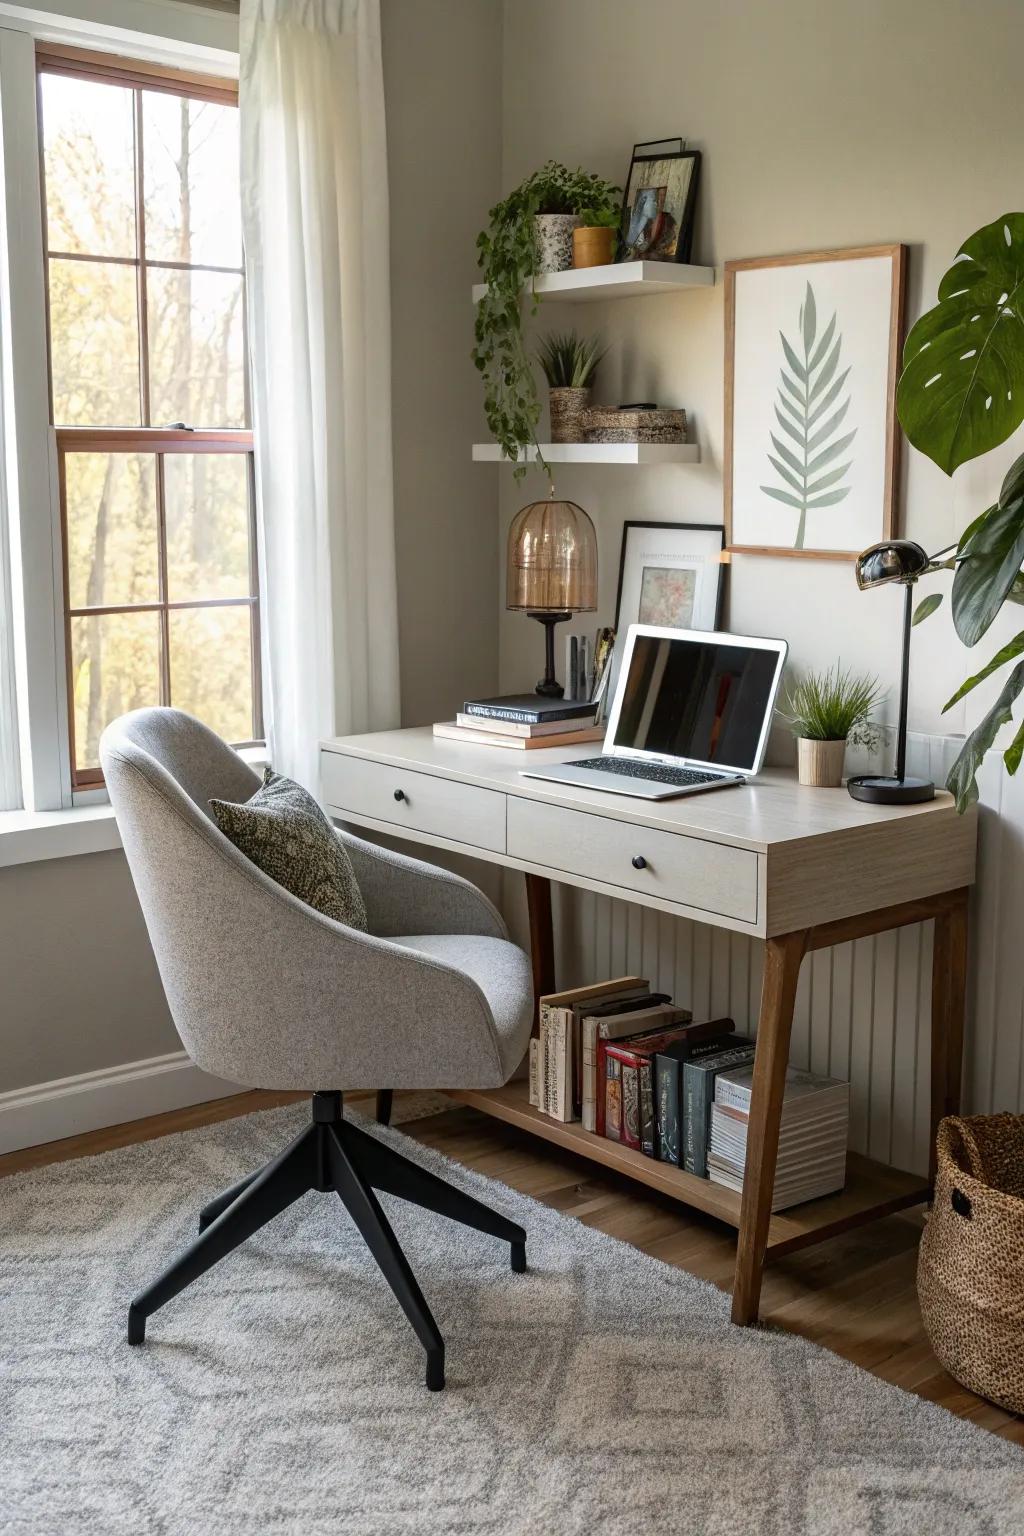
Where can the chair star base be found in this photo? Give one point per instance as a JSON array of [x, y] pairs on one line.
[[333, 1155]]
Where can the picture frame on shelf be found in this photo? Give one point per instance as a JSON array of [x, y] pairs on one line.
[[659, 203], [812, 357]]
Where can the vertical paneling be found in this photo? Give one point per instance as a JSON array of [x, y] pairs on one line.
[[863, 1009]]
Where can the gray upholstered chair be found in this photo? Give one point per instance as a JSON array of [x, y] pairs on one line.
[[268, 993]]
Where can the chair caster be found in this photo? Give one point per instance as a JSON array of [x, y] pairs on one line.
[[519, 1258], [136, 1326], [435, 1370]]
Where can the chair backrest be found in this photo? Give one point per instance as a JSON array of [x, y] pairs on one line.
[[196, 889]]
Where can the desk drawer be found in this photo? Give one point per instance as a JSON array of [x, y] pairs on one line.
[[710, 876], [417, 802]]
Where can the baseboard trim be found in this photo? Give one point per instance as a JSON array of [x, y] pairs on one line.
[[91, 1101]]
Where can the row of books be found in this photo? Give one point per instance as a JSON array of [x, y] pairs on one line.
[[529, 720], [637, 1069]]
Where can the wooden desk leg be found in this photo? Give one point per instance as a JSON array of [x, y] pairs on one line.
[[949, 989], [782, 960], [542, 940]]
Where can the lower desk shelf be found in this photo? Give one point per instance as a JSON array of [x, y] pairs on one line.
[[872, 1189]]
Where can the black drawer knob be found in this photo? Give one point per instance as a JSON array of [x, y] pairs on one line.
[[639, 862], [399, 794]]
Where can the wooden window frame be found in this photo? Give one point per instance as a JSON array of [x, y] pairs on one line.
[[145, 439]]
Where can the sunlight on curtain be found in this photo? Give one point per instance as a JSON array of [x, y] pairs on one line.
[[315, 224], [10, 766]]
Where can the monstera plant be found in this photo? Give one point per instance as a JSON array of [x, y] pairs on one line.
[[961, 394]]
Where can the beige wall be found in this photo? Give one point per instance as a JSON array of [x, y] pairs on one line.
[[79, 989], [442, 79], [837, 124]]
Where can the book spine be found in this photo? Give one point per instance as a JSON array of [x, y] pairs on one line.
[[523, 716], [534, 1073], [695, 1135], [648, 1131], [564, 1066], [733, 1095], [630, 1128], [572, 675], [507, 727], [542, 1056], [613, 1099], [588, 1095], [666, 1087]]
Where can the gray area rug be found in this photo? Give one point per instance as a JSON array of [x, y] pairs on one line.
[[602, 1392]]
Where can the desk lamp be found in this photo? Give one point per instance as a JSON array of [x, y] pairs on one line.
[[552, 571], [903, 561]]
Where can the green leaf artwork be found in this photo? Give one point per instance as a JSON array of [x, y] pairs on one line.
[[810, 413]]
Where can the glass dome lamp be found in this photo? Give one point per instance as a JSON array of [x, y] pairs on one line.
[[551, 571]]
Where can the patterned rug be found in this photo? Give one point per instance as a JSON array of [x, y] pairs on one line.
[[602, 1392]]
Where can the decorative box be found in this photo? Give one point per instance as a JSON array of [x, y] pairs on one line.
[[607, 424]]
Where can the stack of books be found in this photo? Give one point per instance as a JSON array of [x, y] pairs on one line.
[[812, 1138], [524, 721]]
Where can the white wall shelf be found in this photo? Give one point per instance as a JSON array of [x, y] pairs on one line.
[[621, 280], [595, 453]]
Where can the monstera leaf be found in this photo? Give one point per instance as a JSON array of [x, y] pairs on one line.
[[962, 388]]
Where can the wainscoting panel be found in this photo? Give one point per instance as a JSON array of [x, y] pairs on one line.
[[863, 1009]]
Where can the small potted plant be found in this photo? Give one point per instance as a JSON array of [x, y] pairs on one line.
[[826, 710], [593, 240], [569, 362], [528, 232]]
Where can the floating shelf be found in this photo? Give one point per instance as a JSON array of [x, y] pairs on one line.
[[595, 453], [621, 280]]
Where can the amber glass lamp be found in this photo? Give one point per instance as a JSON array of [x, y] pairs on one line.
[[552, 571]]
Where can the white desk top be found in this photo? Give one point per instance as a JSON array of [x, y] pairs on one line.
[[771, 812]]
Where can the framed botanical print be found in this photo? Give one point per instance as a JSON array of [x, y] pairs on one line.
[[812, 351], [670, 574], [659, 203]]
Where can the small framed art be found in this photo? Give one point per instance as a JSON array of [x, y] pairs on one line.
[[660, 201], [670, 574], [812, 350]]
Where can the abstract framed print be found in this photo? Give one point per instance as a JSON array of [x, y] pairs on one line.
[[659, 203], [812, 350]]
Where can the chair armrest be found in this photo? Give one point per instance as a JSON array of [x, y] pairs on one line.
[[405, 895]]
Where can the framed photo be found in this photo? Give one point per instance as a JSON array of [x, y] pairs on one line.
[[670, 574], [659, 205], [812, 350]]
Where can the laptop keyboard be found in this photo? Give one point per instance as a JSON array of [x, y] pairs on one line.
[[682, 778]]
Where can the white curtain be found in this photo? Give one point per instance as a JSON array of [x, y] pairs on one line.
[[10, 763], [315, 211]]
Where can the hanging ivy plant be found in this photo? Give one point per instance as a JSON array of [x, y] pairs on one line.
[[507, 257]]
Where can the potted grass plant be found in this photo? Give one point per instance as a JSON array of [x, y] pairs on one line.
[[569, 362], [826, 710]]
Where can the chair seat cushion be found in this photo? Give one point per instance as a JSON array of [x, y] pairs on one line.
[[286, 834], [502, 972]]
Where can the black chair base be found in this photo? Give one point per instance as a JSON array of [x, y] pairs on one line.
[[333, 1155]]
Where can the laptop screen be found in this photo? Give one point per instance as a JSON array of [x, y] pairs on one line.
[[704, 700]]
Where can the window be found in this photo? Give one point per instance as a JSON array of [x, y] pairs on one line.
[[149, 398]]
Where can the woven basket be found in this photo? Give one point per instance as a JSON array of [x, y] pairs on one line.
[[605, 424], [970, 1273]]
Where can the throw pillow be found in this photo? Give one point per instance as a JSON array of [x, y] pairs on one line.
[[286, 834]]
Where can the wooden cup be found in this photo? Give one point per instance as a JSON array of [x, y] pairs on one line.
[[593, 246], [821, 762]]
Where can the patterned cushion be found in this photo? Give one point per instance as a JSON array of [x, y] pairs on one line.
[[286, 834]]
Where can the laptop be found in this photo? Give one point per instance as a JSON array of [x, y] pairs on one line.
[[692, 712]]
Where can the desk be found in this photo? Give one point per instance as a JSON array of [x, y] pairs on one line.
[[799, 869]]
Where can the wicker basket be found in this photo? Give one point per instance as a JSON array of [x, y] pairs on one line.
[[970, 1274], [605, 424]]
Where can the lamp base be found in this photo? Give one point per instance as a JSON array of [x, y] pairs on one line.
[[879, 789], [549, 687]]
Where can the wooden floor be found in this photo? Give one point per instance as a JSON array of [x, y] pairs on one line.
[[855, 1294]]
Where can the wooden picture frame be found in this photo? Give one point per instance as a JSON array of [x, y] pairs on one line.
[[764, 431]]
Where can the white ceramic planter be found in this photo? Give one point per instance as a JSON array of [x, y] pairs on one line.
[[821, 762], [554, 240]]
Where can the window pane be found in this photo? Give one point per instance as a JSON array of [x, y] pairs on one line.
[[206, 501], [115, 662], [89, 157], [111, 529], [211, 668], [195, 348], [94, 344], [193, 202]]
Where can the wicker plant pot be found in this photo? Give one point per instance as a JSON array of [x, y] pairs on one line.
[[970, 1271], [553, 240], [821, 762], [568, 409], [593, 245]]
